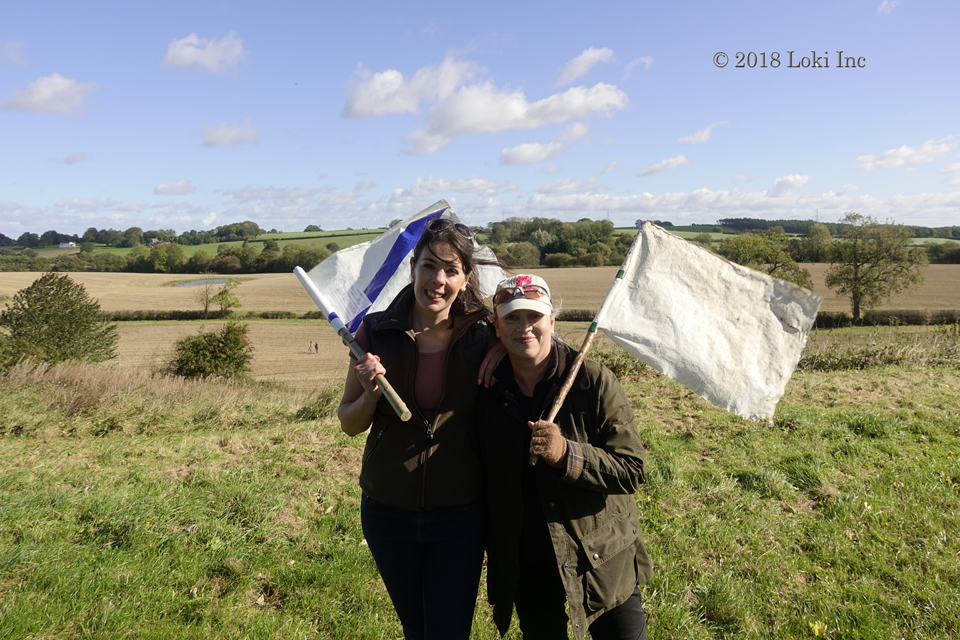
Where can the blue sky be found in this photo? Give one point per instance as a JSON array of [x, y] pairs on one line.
[[189, 115]]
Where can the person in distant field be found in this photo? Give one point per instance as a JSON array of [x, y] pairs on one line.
[[564, 534], [309, 347], [421, 508], [316, 347]]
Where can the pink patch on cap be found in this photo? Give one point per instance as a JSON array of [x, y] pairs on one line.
[[523, 281]]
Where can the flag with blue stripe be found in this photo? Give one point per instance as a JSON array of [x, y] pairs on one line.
[[366, 277]]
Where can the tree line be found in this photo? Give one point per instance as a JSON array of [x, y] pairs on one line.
[[802, 226], [869, 261], [531, 242], [261, 257]]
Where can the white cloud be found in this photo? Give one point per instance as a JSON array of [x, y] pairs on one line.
[[887, 6], [905, 155], [213, 55], [10, 53], [646, 61], [573, 131], [742, 177], [228, 134], [74, 158], [704, 205], [530, 153], [135, 206], [51, 94], [363, 185], [273, 196], [85, 204], [700, 136], [570, 185], [662, 166], [784, 186], [209, 219], [842, 191], [581, 65], [610, 168], [551, 169], [952, 169], [485, 109], [386, 92], [179, 188], [474, 184]]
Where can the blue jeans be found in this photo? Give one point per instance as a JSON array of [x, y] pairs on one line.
[[430, 562]]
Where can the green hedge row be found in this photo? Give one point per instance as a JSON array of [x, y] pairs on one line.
[[888, 317], [825, 319], [153, 315]]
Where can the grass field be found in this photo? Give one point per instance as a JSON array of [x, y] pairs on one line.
[[134, 505], [141, 507]]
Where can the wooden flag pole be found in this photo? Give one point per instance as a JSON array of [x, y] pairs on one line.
[[587, 343], [388, 391]]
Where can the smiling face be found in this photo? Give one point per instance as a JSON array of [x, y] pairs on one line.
[[527, 335], [438, 278]]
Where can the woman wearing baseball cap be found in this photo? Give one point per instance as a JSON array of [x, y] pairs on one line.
[[563, 534]]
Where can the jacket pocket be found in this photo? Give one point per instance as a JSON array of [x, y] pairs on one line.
[[370, 448], [611, 569]]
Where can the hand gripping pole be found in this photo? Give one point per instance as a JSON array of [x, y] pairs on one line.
[[388, 391]]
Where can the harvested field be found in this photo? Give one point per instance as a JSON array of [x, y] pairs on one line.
[[153, 291], [280, 349], [582, 288], [281, 346]]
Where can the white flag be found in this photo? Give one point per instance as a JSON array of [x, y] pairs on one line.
[[366, 277], [730, 334]]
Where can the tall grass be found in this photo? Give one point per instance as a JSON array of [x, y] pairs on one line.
[[145, 506], [940, 347]]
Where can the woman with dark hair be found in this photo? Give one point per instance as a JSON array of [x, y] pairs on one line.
[[422, 481]]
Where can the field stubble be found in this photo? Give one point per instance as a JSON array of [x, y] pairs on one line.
[[576, 288]]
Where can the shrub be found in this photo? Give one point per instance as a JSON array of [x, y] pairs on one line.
[[590, 260], [576, 315], [54, 320], [556, 260], [225, 353]]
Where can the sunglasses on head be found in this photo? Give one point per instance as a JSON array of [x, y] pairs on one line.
[[530, 292], [444, 223]]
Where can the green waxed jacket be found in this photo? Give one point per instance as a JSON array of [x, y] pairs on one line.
[[592, 517]]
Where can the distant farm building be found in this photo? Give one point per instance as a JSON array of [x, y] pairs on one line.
[[68, 245]]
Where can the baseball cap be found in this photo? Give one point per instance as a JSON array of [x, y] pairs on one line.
[[522, 291]]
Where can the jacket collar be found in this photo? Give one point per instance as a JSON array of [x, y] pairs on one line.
[[561, 357], [399, 314]]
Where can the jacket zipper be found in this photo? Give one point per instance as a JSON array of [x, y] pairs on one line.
[[424, 455], [373, 449]]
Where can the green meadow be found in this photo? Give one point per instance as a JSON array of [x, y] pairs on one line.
[[134, 505]]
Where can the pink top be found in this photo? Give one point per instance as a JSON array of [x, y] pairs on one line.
[[429, 383]]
